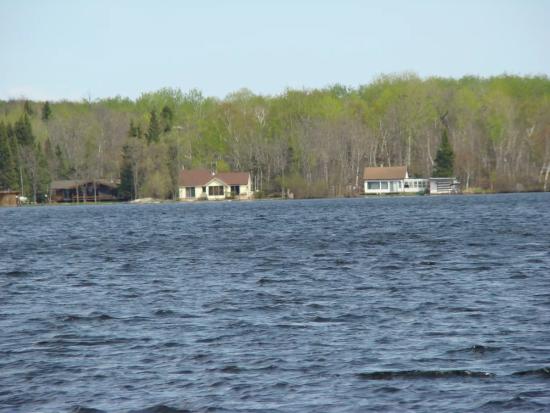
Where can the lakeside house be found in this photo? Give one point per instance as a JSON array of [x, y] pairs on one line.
[[9, 198], [83, 190], [202, 184], [392, 180]]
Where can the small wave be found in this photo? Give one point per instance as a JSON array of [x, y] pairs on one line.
[[476, 348], [542, 372], [171, 344], [82, 409], [15, 273], [423, 374], [387, 390], [161, 408], [514, 403], [69, 318], [231, 369], [164, 313]]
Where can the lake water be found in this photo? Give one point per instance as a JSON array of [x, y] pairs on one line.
[[437, 304]]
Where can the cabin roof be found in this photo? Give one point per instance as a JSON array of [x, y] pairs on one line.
[[234, 178], [73, 183], [200, 177], [385, 172]]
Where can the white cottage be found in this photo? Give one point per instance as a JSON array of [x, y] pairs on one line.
[[196, 184], [392, 180]]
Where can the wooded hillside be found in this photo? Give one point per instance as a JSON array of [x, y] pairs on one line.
[[313, 142]]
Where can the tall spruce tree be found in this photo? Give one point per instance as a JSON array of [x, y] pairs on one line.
[[46, 111], [153, 133], [8, 164], [444, 159], [23, 131], [126, 188]]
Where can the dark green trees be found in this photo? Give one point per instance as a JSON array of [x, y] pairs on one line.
[[23, 131], [126, 188], [444, 160], [46, 111], [27, 107], [167, 118], [8, 160], [153, 133]]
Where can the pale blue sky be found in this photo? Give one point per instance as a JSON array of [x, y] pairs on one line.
[[74, 48]]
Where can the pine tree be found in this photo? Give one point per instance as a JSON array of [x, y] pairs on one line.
[[444, 159], [8, 164], [46, 111], [167, 118], [23, 131], [126, 188], [153, 133]]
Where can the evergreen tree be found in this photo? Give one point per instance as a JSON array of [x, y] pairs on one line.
[[27, 107], [126, 188], [444, 160], [167, 118], [23, 131], [8, 164], [153, 133], [46, 111]]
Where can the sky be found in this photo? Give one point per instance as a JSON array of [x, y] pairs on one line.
[[76, 49]]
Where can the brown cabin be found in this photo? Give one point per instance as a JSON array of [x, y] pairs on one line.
[[9, 198], [97, 190]]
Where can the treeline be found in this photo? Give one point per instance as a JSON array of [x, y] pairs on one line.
[[311, 142]]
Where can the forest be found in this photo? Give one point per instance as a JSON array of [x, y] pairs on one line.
[[311, 142]]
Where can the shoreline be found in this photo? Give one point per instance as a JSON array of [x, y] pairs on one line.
[[170, 201]]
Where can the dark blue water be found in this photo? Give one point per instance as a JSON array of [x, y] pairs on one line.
[[386, 304]]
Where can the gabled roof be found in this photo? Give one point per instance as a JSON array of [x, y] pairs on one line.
[[200, 177], [234, 178], [382, 173], [195, 177]]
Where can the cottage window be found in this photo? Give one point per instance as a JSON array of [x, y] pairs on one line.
[[373, 185], [215, 190], [384, 185], [235, 189], [190, 192]]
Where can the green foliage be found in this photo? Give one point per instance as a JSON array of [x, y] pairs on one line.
[[46, 111], [135, 131], [62, 168], [126, 188], [153, 132], [311, 142], [8, 165], [27, 108], [444, 160], [167, 116], [23, 131]]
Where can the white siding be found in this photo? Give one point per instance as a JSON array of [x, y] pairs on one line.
[[396, 186]]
